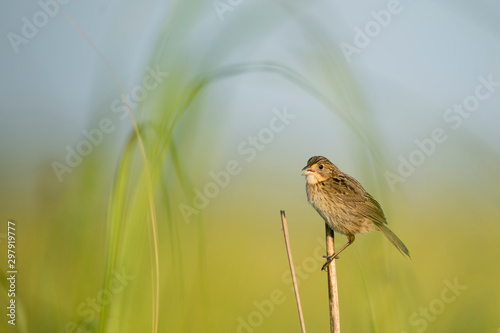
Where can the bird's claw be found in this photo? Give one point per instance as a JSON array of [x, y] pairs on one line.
[[329, 259]]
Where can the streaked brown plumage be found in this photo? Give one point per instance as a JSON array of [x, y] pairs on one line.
[[344, 204]]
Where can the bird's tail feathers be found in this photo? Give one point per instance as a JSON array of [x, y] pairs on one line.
[[394, 240]]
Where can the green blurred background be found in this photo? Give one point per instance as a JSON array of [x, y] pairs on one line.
[[231, 98]]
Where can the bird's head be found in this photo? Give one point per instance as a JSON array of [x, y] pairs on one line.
[[318, 169]]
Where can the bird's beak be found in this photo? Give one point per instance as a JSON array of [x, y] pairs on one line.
[[307, 171]]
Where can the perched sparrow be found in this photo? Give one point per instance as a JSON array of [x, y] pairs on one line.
[[344, 204]]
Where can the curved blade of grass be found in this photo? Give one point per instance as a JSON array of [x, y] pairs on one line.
[[146, 169]]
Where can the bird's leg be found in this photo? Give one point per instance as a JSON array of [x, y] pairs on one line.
[[329, 259]]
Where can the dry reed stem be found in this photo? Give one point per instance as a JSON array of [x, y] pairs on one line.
[[333, 293], [292, 270]]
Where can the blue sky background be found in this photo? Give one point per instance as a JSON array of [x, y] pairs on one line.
[[428, 58]]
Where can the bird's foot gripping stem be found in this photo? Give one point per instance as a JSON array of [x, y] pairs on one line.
[[329, 259]]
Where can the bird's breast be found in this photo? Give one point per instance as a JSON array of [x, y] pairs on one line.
[[336, 214]]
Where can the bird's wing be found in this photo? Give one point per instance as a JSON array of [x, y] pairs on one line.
[[350, 192]]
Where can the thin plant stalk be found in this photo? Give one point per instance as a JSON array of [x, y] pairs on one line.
[[292, 271], [333, 293]]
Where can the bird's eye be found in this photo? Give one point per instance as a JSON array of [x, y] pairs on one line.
[[321, 167]]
